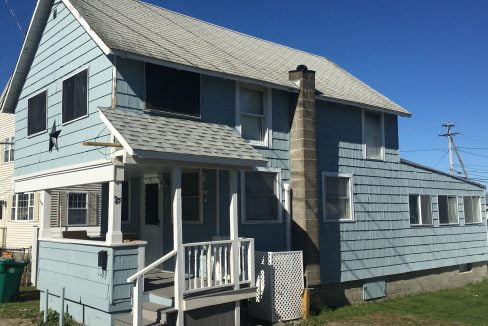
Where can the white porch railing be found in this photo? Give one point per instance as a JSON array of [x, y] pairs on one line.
[[208, 264]]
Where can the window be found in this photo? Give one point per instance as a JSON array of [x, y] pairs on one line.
[[253, 116], [337, 193], [36, 114], [172, 90], [8, 150], [77, 208], [23, 207], [125, 202], [261, 202], [420, 209], [472, 210], [448, 212], [191, 197], [151, 204], [373, 137], [75, 96]]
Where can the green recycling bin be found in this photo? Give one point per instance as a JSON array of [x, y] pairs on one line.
[[10, 276]]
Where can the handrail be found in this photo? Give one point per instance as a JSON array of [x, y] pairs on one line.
[[143, 271], [217, 242]]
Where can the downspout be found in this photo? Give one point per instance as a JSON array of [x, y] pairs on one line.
[[287, 189]]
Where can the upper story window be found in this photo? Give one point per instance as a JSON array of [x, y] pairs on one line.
[[171, 90], [8, 150], [75, 96], [448, 210], [23, 207], [253, 116], [472, 209], [420, 209], [36, 114], [337, 197], [373, 135], [77, 208], [191, 197], [261, 197]]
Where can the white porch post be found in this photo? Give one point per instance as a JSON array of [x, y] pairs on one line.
[[234, 237], [138, 290], [35, 242], [45, 216], [114, 233], [178, 244]]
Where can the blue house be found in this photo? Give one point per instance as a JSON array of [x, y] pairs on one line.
[[208, 145]]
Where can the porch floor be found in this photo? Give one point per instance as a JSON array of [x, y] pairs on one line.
[[160, 283]]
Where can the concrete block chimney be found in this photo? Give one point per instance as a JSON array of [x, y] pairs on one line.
[[303, 152]]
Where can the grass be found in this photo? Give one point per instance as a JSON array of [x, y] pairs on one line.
[[27, 307], [463, 306]]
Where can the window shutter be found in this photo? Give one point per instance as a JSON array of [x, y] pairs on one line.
[[54, 219], [92, 209], [63, 208], [35, 218]]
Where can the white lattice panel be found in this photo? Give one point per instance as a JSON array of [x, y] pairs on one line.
[[280, 285]]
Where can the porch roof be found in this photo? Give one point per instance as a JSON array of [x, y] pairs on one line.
[[173, 139]]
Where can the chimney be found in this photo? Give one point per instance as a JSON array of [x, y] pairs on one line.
[[303, 154]]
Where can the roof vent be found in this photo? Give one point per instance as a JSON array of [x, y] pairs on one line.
[[302, 68]]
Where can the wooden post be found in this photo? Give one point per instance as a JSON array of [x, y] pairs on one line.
[[178, 244], [138, 290], [35, 243], [45, 227], [114, 233], [234, 237], [306, 304]]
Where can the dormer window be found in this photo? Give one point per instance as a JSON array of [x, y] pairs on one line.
[[172, 91]]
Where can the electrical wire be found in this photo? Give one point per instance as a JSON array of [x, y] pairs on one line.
[[12, 12]]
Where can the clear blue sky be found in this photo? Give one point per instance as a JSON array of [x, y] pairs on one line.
[[430, 56]]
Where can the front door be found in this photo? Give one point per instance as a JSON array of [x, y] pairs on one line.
[[152, 220]]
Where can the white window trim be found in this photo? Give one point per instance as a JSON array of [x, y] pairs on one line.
[[267, 110], [278, 192], [68, 76], [351, 196], [383, 154], [480, 210], [200, 199], [457, 210], [8, 148], [87, 208], [129, 193], [15, 218], [47, 113], [419, 207]]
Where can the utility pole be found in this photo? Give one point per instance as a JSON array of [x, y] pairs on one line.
[[451, 144]]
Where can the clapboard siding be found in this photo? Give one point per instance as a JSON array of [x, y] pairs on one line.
[[381, 241], [65, 49], [7, 130], [217, 105], [76, 267]]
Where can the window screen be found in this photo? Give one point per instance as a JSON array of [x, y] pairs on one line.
[[172, 90], [261, 199], [75, 104], [36, 113], [77, 208], [252, 114], [420, 209], [190, 196], [373, 135], [447, 210], [338, 198], [426, 209]]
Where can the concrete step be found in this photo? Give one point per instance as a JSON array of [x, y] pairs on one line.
[[126, 320]]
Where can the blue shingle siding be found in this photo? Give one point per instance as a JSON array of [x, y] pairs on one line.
[[381, 241], [65, 48]]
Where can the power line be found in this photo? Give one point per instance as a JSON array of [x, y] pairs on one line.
[[12, 12]]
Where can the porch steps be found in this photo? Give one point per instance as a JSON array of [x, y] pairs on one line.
[[152, 314]]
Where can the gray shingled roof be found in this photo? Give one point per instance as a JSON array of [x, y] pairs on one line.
[[150, 31], [150, 136]]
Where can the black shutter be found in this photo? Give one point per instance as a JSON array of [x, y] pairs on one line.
[[75, 96], [36, 114]]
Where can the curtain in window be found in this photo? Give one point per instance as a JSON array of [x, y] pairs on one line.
[[373, 135], [426, 209]]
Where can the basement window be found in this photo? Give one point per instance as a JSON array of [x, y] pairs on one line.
[[373, 136], [75, 96], [261, 197], [36, 114], [472, 210], [420, 209], [172, 91], [77, 208], [448, 210], [337, 197]]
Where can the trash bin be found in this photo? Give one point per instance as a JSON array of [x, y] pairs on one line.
[[10, 276]]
